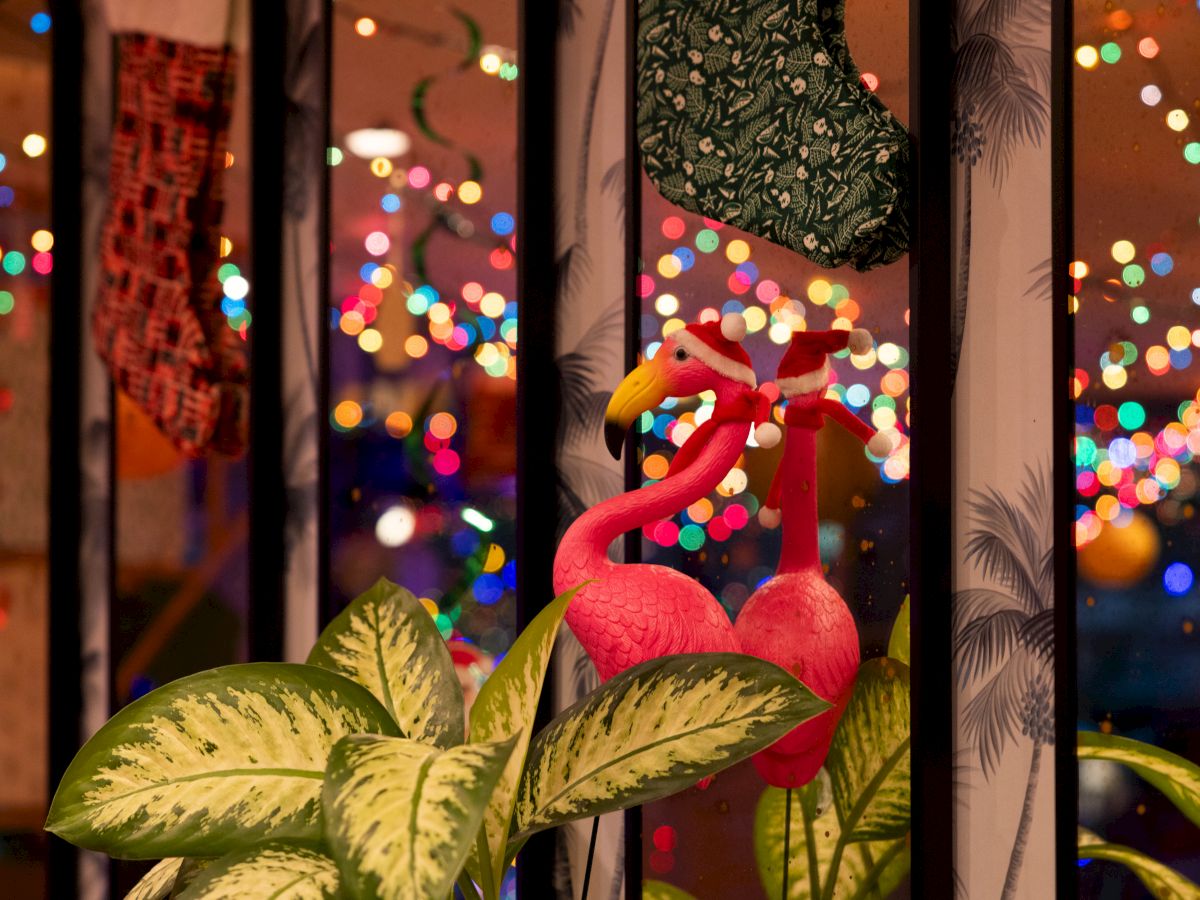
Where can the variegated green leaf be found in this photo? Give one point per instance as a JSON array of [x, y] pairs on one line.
[[268, 871], [387, 642], [898, 643], [158, 883], [881, 864], [1176, 777], [660, 890], [505, 708], [655, 730], [212, 762], [401, 816], [869, 759], [1160, 880]]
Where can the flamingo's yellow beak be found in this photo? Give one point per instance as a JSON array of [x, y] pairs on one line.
[[644, 388]]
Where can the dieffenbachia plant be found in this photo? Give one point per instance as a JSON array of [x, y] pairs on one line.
[[850, 825], [1177, 778], [353, 775]]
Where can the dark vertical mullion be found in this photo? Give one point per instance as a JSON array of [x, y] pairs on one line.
[[633, 346], [66, 486], [538, 391], [325, 610], [267, 495], [1066, 696], [931, 503]]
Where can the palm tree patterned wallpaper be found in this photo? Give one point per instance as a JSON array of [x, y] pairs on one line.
[[1003, 581]]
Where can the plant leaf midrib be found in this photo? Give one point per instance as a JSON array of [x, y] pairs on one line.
[[418, 787], [281, 771], [644, 748], [875, 784], [389, 702]]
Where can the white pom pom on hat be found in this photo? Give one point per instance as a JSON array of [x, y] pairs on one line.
[[859, 341], [767, 435], [733, 326], [769, 518], [880, 445]]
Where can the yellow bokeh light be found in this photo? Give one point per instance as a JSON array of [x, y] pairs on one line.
[[883, 418], [1115, 377], [780, 333], [495, 559], [733, 483], [756, 319], [666, 304], [381, 167], [1177, 120], [671, 326], [1079, 269], [492, 305], [470, 193], [737, 251], [490, 63], [382, 278], [42, 240], [352, 323], [347, 414], [669, 265], [226, 246], [1178, 337], [439, 313], [820, 291], [1123, 251], [1087, 56], [863, 361], [34, 145], [365, 27], [370, 340]]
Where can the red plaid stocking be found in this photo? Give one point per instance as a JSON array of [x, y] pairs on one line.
[[158, 322]]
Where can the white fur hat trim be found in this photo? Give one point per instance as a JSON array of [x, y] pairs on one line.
[[806, 383], [718, 362]]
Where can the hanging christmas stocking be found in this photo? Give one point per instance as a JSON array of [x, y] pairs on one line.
[[889, 242], [158, 323], [744, 117]]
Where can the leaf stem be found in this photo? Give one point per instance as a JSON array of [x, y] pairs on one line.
[[871, 881], [488, 883], [856, 812], [810, 843], [466, 885]]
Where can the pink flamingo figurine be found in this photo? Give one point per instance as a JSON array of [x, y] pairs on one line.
[[633, 613], [796, 619]]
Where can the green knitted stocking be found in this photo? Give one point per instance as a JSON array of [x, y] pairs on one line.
[[745, 117]]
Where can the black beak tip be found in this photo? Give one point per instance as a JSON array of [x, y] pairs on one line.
[[614, 438]]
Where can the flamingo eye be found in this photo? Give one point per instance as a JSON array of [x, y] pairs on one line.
[[680, 354]]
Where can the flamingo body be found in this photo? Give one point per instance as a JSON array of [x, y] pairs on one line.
[[642, 612], [797, 620], [630, 613]]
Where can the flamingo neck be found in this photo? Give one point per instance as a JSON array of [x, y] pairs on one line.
[[582, 552], [634, 509], [798, 501]]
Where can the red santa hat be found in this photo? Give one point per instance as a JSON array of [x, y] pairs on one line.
[[805, 366], [718, 345]]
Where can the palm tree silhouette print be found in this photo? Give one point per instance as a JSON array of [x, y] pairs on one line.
[[1004, 635], [1001, 86]]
